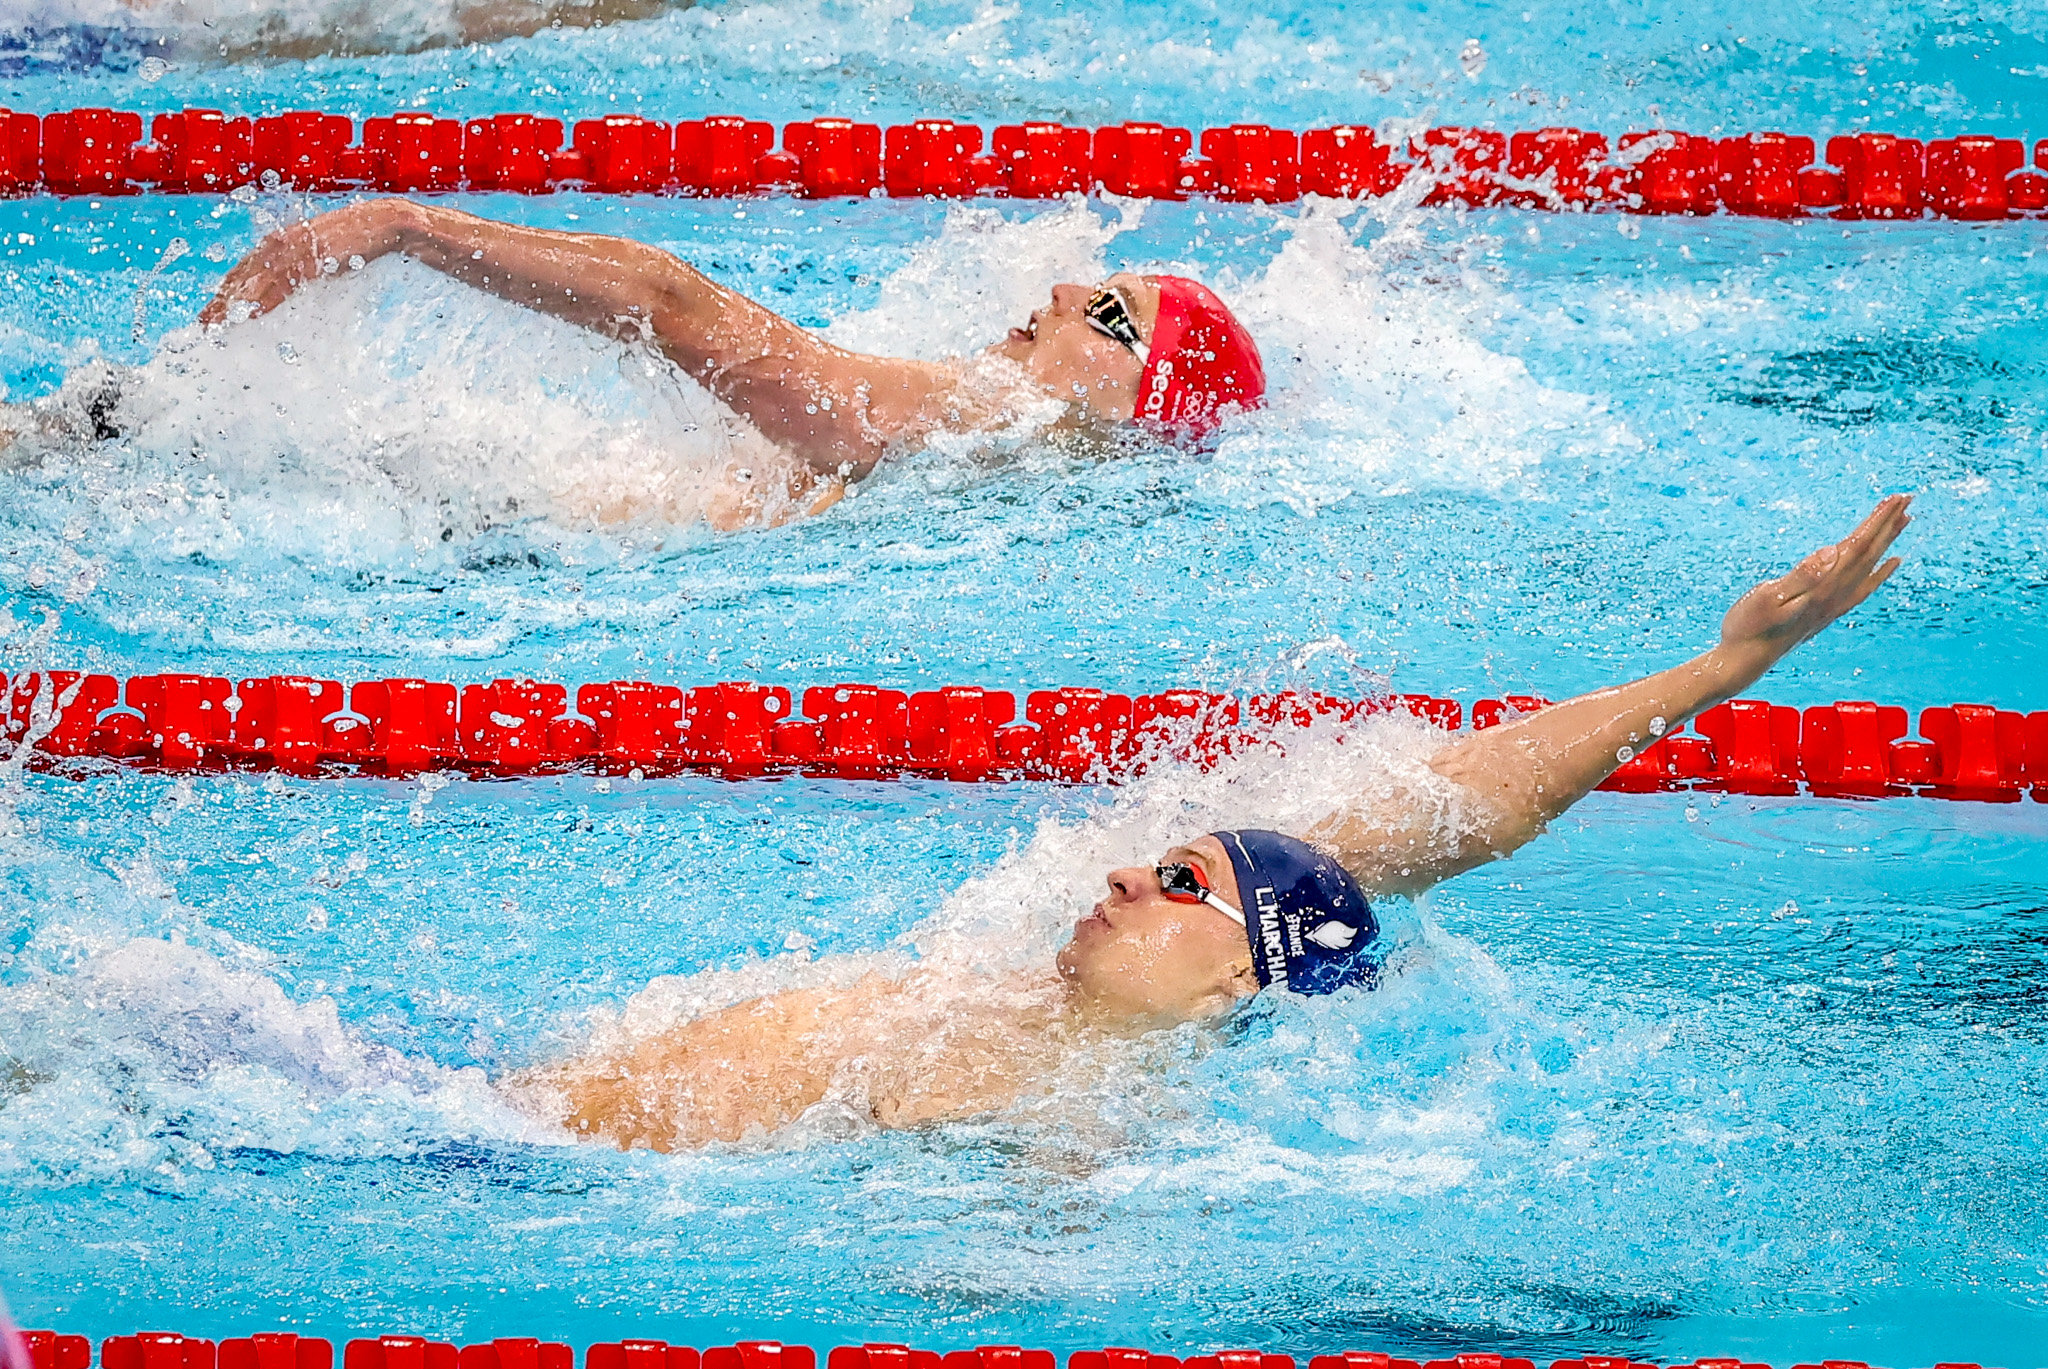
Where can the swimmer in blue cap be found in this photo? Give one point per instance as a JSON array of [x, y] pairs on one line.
[[1297, 921], [1219, 920]]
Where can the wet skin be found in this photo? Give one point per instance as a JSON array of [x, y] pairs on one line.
[[928, 1046], [836, 412], [1138, 960]]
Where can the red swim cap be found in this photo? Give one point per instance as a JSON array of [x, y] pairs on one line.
[[1200, 360]]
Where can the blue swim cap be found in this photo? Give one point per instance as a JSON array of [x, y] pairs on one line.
[[1310, 926]]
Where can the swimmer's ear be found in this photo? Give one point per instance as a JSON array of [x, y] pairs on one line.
[[1236, 985]]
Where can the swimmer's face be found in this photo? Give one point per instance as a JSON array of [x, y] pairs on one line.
[[1144, 959], [1078, 362]]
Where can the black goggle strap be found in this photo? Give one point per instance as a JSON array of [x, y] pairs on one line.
[[1108, 314], [1186, 882]]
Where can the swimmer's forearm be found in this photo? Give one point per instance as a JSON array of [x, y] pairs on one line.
[[799, 391], [835, 409], [1532, 769], [612, 285]]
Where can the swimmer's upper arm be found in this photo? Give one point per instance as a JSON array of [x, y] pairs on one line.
[[946, 1094], [1507, 782], [832, 407], [1404, 843], [1516, 777], [800, 391]]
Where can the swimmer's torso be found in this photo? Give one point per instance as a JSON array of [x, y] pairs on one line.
[[899, 1052]]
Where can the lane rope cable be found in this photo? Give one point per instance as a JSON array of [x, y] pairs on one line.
[[287, 1350], [67, 720], [102, 152]]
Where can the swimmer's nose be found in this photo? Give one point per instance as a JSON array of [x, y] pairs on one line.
[[1131, 882], [1069, 299]]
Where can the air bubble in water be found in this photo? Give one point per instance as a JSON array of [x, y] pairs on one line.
[[1472, 58]]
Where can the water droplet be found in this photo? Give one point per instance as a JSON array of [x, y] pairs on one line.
[[153, 69], [1657, 726], [1472, 58], [1624, 754]]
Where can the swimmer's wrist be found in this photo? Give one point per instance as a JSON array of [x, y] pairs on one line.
[[1734, 666], [370, 229], [400, 225]]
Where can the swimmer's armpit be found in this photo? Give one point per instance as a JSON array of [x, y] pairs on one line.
[[1524, 773]]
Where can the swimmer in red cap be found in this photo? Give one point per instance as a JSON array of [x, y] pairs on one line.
[[1189, 936], [1161, 351]]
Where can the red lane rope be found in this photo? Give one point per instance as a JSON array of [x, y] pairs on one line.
[[736, 729], [286, 1350], [1662, 171]]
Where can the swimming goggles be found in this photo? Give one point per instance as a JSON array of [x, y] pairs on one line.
[[1187, 884], [1108, 314]]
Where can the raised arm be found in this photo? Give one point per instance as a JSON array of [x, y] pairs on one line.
[[836, 409], [1518, 776]]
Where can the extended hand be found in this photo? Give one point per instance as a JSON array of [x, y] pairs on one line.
[[1779, 614], [290, 257]]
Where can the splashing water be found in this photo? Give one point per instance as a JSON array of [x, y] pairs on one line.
[[1692, 1074]]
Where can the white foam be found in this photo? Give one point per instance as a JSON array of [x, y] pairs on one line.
[[1372, 325], [200, 30], [375, 416], [985, 272], [150, 1056], [1016, 915]]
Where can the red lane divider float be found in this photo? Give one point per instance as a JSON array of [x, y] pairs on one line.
[[305, 726], [283, 1350], [1662, 171]]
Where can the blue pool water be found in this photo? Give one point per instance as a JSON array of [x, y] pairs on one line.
[[1688, 1076]]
